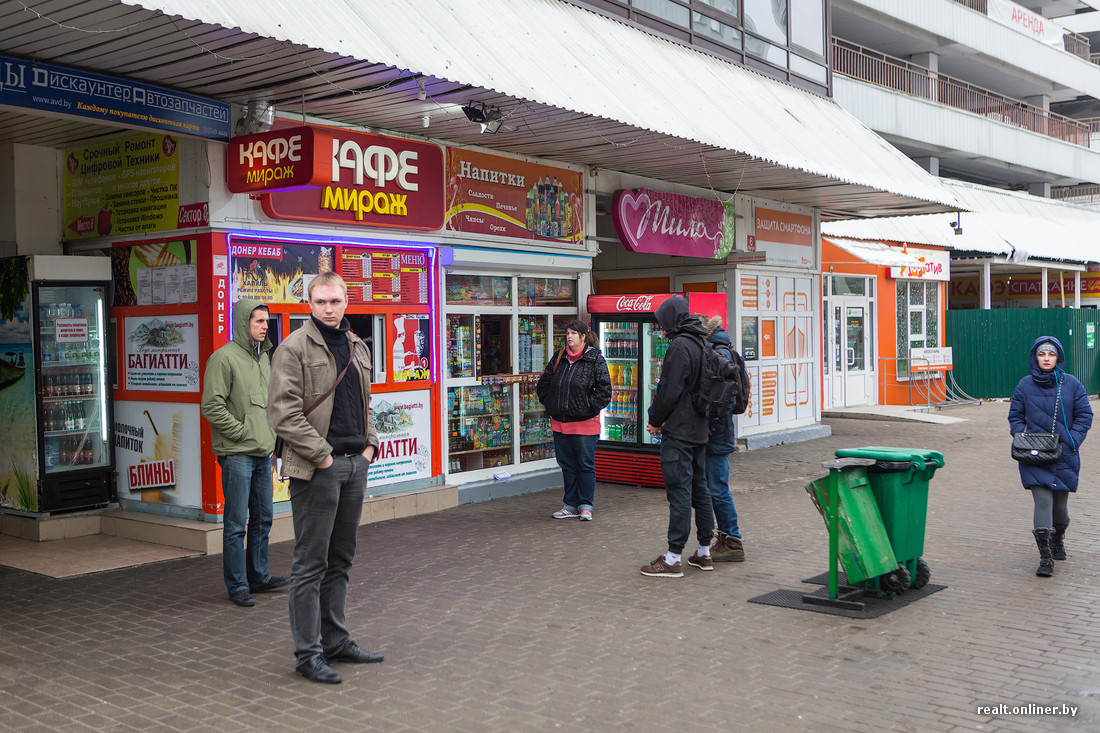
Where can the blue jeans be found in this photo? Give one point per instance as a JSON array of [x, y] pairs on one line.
[[246, 486], [718, 476], [683, 467], [576, 456]]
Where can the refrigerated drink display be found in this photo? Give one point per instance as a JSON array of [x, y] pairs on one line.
[[71, 390], [654, 346], [532, 344], [619, 344], [479, 426], [460, 346], [536, 439]]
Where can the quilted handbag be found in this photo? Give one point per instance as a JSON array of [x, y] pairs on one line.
[[1039, 449]]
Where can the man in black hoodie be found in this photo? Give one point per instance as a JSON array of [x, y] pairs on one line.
[[684, 434]]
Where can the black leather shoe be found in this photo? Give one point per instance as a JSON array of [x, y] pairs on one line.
[[241, 598], [316, 669], [273, 583], [351, 652]]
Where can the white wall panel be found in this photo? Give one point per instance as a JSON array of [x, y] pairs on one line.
[[902, 116], [967, 27]]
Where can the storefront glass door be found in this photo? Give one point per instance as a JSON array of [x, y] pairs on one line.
[[850, 369]]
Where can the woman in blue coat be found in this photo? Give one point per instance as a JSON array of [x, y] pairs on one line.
[[1036, 405]]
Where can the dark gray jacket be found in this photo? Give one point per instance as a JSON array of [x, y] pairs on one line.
[[672, 410]]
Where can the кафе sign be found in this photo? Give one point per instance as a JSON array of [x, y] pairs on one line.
[[341, 177]]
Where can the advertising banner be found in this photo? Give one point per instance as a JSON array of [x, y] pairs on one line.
[[785, 238], [411, 352], [373, 181], [673, 224], [966, 289], [390, 276], [122, 187], [94, 96], [157, 452], [504, 197], [1027, 22], [281, 160], [162, 353], [935, 265], [930, 359], [170, 265], [18, 450], [276, 272], [404, 424]]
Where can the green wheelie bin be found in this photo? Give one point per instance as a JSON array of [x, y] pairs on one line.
[[899, 480]]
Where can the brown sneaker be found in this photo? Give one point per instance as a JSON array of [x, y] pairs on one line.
[[703, 562], [727, 548], [661, 569]]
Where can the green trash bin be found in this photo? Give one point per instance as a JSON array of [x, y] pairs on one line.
[[899, 480]]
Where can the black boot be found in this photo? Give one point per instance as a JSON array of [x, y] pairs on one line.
[[1046, 562], [1057, 547]]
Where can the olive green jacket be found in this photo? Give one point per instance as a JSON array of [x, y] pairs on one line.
[[234, 390]]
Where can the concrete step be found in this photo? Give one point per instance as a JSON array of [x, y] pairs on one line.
[[199, 536]]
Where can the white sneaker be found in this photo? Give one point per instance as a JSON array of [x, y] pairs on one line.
[[586, 515], [566, 512]]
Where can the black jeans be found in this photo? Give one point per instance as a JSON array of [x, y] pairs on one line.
[[326, 511], [684, 468]]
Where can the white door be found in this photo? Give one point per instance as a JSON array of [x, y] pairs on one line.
[[851, 367]]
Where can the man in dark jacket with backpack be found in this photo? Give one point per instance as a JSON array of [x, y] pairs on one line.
[[684, 434]]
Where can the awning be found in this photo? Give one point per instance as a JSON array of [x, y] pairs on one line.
[[1013, 224], [875, 253], [751, 134]]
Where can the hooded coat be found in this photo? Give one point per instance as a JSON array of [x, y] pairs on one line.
[[234, 390], [1033, 411], [672, 410]]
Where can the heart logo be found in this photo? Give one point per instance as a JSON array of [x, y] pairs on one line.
[[666, 223]]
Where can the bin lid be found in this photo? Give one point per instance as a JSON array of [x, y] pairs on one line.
[[919, 456]]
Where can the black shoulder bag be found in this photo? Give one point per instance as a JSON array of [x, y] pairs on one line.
[[1039, 449]]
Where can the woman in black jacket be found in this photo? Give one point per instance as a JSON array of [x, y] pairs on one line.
[[574, 388]]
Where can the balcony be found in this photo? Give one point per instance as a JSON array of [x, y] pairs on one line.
[[870, 66], [1075, 43]]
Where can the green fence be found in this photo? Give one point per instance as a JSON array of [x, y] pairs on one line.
[[990, 347]]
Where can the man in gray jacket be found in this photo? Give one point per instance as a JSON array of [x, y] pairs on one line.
[[319, 404], [234, 401]]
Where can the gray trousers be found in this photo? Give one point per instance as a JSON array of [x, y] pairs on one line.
[[326, 519]]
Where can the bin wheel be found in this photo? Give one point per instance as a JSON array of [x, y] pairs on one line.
[[923, 574], [896, 581]]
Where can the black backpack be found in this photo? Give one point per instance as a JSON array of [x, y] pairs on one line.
[[720, 385], [744, 391]]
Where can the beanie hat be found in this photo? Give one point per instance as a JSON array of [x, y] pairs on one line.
[[1047, 346]]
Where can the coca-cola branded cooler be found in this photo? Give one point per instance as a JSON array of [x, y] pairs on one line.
[[634, 347]]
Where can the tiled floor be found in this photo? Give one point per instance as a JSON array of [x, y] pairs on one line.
[[495, 617], [81, 555]]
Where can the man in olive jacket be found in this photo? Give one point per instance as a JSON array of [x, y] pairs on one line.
[[328, 428], [234, 401]]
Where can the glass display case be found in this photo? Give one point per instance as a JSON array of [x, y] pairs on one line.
[[479, 426], [547, 291], [536, 438], [72, 390], [479, 290], [620, 346], [532, 344], [461, 337]]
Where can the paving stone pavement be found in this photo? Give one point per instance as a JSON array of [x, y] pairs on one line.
[[494, 616]]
